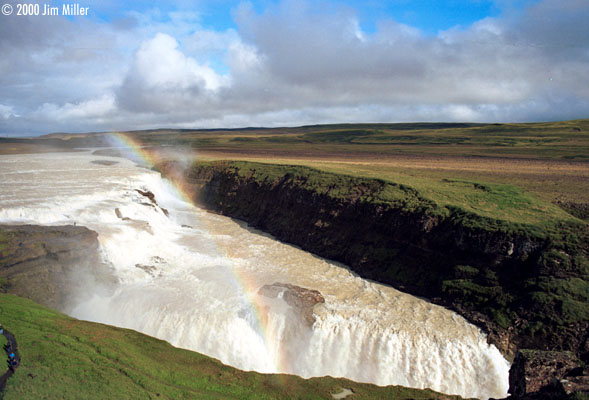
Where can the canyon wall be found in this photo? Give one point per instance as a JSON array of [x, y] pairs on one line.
[[526, 287]]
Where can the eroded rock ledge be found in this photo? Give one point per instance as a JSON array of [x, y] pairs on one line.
[[49, 263]]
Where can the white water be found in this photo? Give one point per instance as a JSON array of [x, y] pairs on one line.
[[204, 270]]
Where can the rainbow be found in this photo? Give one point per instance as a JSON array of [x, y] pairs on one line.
[[136, 151]]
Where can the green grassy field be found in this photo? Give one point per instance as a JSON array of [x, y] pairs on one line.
[[549, 140], [2, 343], [498, 201], [64, 358]]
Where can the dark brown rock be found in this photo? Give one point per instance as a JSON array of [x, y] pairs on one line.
[[151, 198], [579, 210], [535, 371], [576, 384], [147, 194], [301, 299]]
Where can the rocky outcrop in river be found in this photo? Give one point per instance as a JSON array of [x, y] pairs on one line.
[[302, 300]]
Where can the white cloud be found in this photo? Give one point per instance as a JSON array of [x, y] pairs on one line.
[[294, 63], [7, 111], [242, 58], [162, 79], [88, 109], [160, 64]]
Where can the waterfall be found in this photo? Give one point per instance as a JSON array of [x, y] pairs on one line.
[[193, 278]]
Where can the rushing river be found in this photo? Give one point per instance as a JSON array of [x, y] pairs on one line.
[[192, 278]]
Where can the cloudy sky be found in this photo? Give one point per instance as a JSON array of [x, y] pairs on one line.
[[223, 63]]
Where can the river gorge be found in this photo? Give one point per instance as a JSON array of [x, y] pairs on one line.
[[212, 284]]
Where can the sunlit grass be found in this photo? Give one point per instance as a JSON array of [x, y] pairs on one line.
[[498, 201]]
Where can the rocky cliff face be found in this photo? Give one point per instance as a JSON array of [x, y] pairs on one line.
[[526, 289], [538, 374], [49, 264]]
